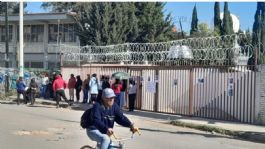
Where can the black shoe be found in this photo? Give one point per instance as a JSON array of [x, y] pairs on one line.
[[70, 102]]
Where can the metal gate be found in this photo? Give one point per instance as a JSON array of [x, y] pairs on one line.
[[225, 93]]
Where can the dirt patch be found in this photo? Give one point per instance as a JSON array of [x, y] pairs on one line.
[[32, 133]]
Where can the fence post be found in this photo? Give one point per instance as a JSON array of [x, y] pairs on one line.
[[157, 91], [140, 89], [191, 91]]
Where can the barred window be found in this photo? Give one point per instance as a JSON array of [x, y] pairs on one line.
[[33, 33], [66, 32], [3, 33]]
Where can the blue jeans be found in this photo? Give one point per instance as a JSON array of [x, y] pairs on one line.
[[123, 102], [103, 140], [43, 91], [118, 99], [85, 98]]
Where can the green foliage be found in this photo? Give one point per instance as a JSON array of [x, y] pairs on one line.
[[194, 22], [204, 30], [60, 6], [258, 36], [227, 25], [217, 19], [106, 23], [13, 7]]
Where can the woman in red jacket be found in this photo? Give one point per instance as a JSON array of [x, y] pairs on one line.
[[117, 86]]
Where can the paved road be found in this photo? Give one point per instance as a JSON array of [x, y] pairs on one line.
[[44, 127]]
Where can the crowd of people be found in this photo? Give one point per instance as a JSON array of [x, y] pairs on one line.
[[107, 99], [53, 87]]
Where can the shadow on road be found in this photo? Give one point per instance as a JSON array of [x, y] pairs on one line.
[[184, 133], [199, 134], [37, 106]]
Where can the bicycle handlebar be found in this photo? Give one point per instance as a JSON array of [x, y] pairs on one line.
[[125, 139]]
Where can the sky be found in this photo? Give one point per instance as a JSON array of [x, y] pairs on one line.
[[245, 11]]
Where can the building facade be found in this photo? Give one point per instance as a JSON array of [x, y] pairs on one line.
[[43, 34]]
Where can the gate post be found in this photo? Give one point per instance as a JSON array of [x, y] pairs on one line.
[[191, 92], [157, 91]]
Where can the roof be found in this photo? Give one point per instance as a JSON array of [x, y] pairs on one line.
[[44, 17]]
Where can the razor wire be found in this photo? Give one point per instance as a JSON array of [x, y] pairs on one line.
[[222, 50]]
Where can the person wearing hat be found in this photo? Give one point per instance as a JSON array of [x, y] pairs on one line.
[[105, 113]]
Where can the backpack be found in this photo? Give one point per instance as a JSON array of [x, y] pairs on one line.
[[87, 118]]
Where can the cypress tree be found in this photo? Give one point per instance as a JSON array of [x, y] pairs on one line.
[[194, 22], [227, 25], [258, 26], [217, 19]]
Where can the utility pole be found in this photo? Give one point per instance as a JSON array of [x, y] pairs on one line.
[[7, 49], [21, 40]]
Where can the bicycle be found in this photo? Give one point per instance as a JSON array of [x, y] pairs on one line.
[[120, 142]]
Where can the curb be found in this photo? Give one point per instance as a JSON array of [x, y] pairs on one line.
[[49, 103], [249, 136]]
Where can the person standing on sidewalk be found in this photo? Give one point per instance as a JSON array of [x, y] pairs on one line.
[[93, 84], [86, 88], [123, 90], [105, 83], [100, 86], [20, 89], [44, 86], [59, 86], [78, 87], [71, 86], [132, 94], [33, 89], [117, 86]]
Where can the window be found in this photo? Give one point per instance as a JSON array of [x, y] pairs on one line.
[[33, 33], [3, 33], [66, 31], [52, 65], [27, 64], [36, 64]]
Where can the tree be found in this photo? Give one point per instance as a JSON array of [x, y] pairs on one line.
[[151, 23], [258, 26], [113, 23], [13, 8], [203, 30], [217, 19], [227, 25], [194, 22], [258, 37], [60, 6]]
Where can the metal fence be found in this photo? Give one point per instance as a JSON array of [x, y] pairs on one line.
[[205, 77], [223, 50], [225, 93]]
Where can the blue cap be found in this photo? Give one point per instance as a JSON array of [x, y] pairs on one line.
[[108, 93]]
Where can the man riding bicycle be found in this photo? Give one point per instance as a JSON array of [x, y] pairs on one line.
[[105, 113]]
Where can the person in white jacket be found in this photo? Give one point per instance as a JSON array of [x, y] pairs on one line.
[[93, 84]]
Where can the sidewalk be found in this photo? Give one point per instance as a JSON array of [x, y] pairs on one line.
[[248, 132]]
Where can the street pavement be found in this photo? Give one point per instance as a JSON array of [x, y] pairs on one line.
[[45, 127]]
